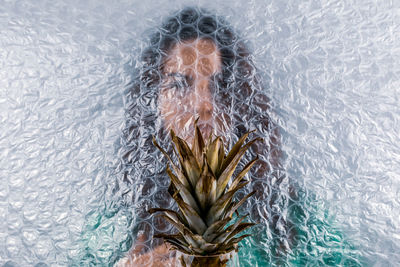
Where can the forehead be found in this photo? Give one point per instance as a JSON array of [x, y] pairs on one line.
[[199, 55]]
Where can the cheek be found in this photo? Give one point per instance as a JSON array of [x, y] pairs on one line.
[[173, 104], [165, 103]]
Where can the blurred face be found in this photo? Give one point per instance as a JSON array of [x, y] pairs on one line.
[[187, 89]]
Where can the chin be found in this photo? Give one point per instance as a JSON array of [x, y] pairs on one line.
[[184, 128]]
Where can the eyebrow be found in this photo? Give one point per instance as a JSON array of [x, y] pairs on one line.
[[176, 74], [181, 75]]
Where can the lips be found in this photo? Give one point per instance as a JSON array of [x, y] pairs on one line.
[[205, 130], [185, 128]]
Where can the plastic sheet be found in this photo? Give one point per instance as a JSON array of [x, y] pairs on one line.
[[318, 80]]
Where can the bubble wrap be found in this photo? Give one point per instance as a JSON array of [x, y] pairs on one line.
[[318, 80]]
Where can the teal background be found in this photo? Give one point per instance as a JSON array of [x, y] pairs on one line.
[[320, 240]]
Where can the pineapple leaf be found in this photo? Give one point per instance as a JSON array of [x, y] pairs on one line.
[[175, 239], [183, 191], [234, 208], [235, 149], [223, 235], [206, 187], [231, 231], [192, 240], [226, 248], [187, 234], [198, 143], [212, 154], [188, 160], [202, 244], [192, 217], [209, 247], [205, 203], [209, 138], [239, 228], [215, 212], [176, 223], [236, 240], [171, 213], [228, 208], [176, 246], [221, 157], [246, 168], [180, 176], [215, 229], [228, 171]]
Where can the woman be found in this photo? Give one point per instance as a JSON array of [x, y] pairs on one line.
[[196, 66]]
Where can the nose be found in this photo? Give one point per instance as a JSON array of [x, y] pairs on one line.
[[204, 102]]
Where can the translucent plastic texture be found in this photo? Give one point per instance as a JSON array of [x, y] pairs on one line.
[[318, 80], [226, 260]]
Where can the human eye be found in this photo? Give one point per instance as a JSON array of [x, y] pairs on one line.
[[179, 83]]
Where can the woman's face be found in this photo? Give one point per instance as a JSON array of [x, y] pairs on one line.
[[186, 89]]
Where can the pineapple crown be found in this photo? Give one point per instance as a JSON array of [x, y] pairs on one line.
[[200, 188]]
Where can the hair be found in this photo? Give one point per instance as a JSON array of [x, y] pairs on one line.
[[237, 90], [238, 75]]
